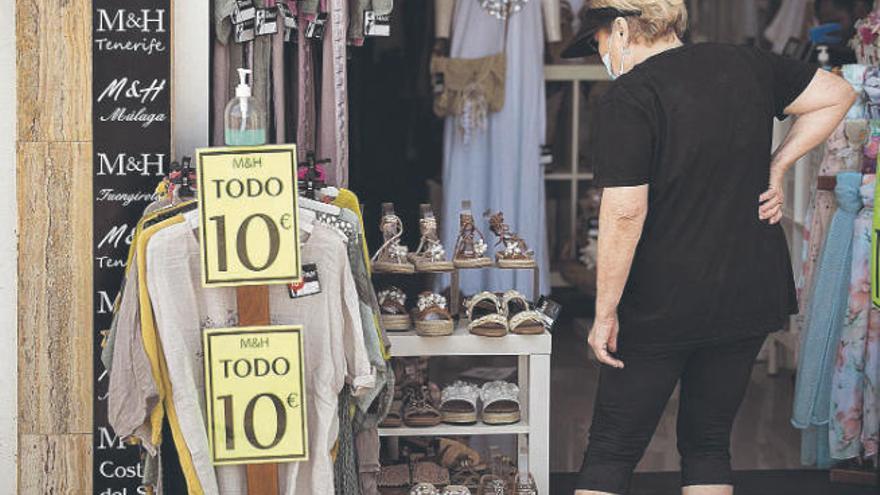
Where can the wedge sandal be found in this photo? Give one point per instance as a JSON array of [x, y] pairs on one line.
[[418, 409], [470, 247], [433, 318], [394, 418], [392, 310], [500, 403], [458, 403], [430, 256], [513, 251], [391, 256], [486, 315], [522, 319]]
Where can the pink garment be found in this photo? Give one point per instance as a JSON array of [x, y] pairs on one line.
[[305, 128], [333, 135], [819, 215], [853, 431]]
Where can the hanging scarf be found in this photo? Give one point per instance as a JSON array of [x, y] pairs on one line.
[[826, 316]]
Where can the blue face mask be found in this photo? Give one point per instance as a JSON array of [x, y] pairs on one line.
[[606, 59]]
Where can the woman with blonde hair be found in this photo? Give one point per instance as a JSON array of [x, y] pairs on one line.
[[693, 266]]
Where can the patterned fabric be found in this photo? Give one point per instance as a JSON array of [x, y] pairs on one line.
[[819, 215], [855, 75], [826, 314], [854, 420]]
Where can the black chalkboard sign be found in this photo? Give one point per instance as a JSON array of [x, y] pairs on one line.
[[131, 89]]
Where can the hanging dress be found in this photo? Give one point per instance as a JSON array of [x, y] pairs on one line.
[[826, 313], [499, 167], [854, 421]]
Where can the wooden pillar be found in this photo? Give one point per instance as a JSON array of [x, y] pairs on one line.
[[54, 169]]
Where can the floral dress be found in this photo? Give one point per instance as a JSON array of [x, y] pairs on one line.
[[822, 206], [855, 390]]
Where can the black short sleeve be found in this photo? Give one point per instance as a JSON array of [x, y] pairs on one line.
[[622, 143], [789, 78]]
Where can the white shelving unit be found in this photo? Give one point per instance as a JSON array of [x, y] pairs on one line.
[[533, 351], [575, 74]]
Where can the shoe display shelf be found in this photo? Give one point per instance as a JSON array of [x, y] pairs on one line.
[[533, 353]]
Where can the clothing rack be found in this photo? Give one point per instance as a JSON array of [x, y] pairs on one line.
[[848, 475]]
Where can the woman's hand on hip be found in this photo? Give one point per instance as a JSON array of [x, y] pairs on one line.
[[772, 202], [603, 340]]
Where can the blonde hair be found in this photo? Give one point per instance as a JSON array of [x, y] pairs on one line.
[[659, 19]]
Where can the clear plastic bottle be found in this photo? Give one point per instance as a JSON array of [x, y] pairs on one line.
[[243, 119]]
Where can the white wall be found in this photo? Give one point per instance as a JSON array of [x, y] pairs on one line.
[[8, 256]]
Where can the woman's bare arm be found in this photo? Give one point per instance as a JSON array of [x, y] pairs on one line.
[[819, 110]]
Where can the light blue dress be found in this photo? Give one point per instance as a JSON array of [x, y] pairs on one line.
[[499, 167]]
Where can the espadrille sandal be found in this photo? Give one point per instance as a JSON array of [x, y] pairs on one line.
[[522, 319], [430, 472], [523, 485], [458, 403], [513, 252], [500, 403], [424, 489], [456, 490], [418, 409], [392, 310], [486, 315], [471, 247], [492, 485], [394, 418], [391, 256], [432, 316], [430, 255]]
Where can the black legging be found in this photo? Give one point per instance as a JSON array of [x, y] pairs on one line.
[[630, 402]]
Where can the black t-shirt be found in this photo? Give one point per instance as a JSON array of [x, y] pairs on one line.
[[695, 124]]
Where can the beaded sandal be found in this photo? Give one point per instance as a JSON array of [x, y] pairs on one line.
[[392, 309], [492, 485], [430, 255], [514, 253], [458, 403], [470, 248], [418, 409], [391, 256], [486, 315], [523, 319], [500, 403], [525, 485], [432, 318]]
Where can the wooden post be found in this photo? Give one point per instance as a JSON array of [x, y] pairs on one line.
[[253, 310]]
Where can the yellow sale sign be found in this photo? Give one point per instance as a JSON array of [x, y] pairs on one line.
[[248, 217], [255, 392]]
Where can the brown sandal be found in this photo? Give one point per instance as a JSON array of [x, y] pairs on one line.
[[432, 317], [430, 255], [392, 309], [391, 256], [470, 248], [394, 418], [515, 252], [418, 409]]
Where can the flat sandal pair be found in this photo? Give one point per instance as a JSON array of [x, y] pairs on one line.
[[493, 316]]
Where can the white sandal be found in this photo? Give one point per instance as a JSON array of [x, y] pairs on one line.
[[458, 403], [523, 319], [500, 403], [487, 316]]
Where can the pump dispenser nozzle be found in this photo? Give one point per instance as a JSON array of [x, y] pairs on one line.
[[243, 89]]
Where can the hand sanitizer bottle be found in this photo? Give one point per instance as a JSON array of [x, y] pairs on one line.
[[243, 120]]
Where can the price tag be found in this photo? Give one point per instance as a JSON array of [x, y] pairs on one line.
[[248, 215], [255, 393]]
